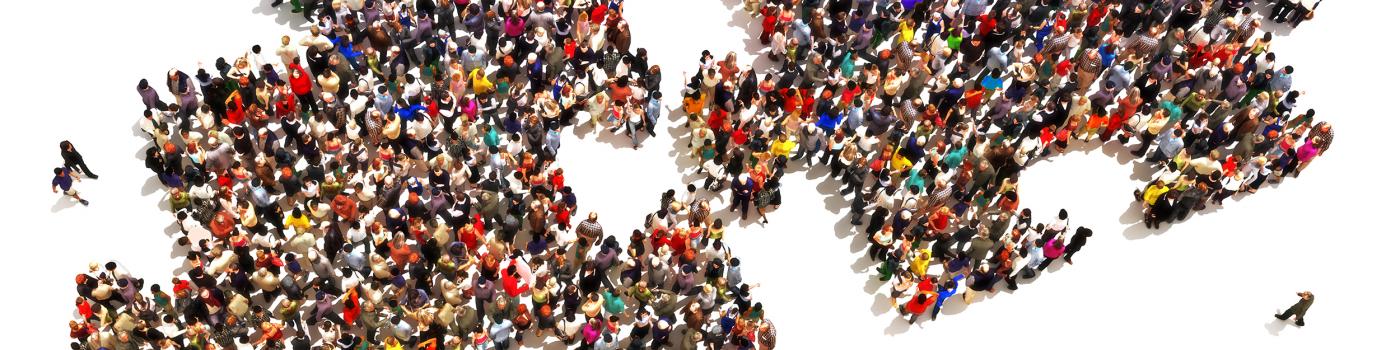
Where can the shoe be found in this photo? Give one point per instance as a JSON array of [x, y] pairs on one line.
[[83, 201], [1299, 323], [94, 177], [1278, 316], [1068, 261]]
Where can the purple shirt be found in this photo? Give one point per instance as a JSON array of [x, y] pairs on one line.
[[64, 181]]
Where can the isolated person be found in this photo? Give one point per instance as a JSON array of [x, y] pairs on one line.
[[1300, 308]]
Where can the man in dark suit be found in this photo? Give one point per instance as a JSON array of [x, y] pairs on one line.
[[743, 195]]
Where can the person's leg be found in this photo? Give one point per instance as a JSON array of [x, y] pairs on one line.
[[82, 164], [74, 194], [1146, 139]]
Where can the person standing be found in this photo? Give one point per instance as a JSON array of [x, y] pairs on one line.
[[1081, 236], [1305, 301], [74, 160], [63, 179]]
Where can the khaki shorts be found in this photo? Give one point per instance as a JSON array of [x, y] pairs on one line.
[[71, 192]]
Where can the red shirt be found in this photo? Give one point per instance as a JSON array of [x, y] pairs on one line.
[[181, 285], [302, 85], [915, 307], [513, 286]]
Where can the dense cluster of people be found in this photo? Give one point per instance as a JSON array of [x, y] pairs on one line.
[[366, 186], [925, 111], [388, 181]]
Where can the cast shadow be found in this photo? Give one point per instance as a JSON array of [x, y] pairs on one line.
[[282, 15], [1275, 326], [63, 202], [898, 325], [152, 186]]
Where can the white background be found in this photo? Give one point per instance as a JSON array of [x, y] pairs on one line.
[[1212, 281]]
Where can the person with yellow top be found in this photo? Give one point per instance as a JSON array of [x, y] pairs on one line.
[[1151, 197], [298, 221], [919, 264], [480, 84], [782, 146]]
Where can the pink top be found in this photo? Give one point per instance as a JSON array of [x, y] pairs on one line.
[[1307, 152], [1051, 249]]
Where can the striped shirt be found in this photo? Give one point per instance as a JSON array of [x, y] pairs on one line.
[[1142, 45], [1089, 64]]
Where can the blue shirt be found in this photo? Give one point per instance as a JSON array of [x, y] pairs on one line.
[[1169, 144], [64, 181], [991, 83], [653, 110], [1106, 57], [943, 294], [260, 197]]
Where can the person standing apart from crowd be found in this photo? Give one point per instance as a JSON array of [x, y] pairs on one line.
[[63, 179], [1300, 308], [74, 160]]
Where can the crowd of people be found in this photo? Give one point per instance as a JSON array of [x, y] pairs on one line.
[[926, 111], [388, 181], [366, 186]]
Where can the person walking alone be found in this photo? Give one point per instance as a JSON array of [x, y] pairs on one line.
[[1305, 301]]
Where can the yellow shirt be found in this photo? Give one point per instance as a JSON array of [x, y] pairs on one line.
[[782, 147], [919, 265], [906, 32], [480, 84], [301, 224], [1152, 193], [899, 162]]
